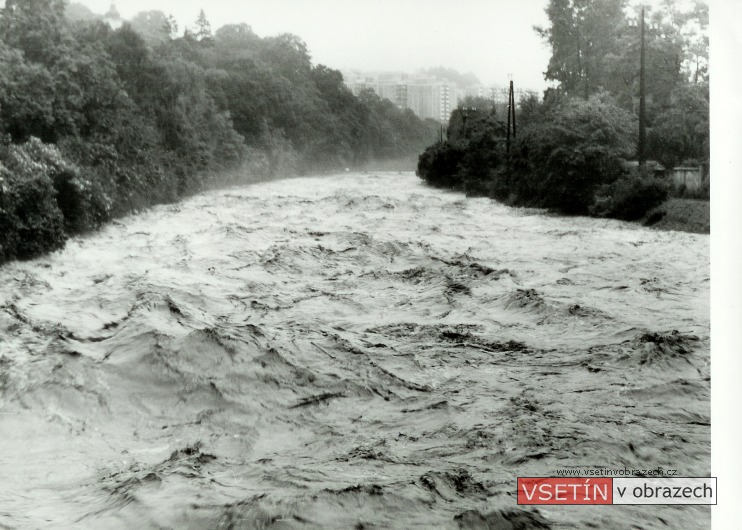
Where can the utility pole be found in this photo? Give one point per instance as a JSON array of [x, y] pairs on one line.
[[511, 123], [642, 153], [511, 115], [510, 98], [512, 105]]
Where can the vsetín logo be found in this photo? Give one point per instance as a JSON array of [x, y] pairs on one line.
[[562, 490], [601, 490]]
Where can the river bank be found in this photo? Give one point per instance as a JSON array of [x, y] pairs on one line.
[[685, 215]]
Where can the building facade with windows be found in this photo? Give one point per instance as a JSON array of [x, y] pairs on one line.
[[425, 96]]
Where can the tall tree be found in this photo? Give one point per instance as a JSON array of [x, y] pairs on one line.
[[687, 26], [671, 41], [153, 26], [36, 27], [236, 36], [581, 33], [203, 28], [681, 131], [76, 12]]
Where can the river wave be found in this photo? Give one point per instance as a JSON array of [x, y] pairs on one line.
[[351, 351]]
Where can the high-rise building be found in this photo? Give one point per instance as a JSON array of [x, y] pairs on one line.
[[421, 100], [427, 97], [445, 97], [500, 94], [400, 96], [387, 91]]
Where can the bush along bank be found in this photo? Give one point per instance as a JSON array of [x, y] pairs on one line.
[[96, 122], [45, 196], [569, 156]]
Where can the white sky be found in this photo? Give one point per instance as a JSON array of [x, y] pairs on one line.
[[491, 38]]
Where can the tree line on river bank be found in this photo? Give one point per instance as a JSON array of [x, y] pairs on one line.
[[97, 122], [572, 146]]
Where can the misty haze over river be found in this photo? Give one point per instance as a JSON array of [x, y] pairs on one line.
[[352, 351]]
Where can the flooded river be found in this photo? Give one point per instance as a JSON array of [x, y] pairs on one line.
[[352, 351]]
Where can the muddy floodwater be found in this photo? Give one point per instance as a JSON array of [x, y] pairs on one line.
[[351, 351]]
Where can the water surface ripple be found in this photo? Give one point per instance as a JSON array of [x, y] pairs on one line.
[[353, 351]]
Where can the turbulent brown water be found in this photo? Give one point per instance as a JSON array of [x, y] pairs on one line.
[[355, 351]]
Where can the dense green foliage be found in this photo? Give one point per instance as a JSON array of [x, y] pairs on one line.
[[96, 122], [680, 134], [568, 156], [439, 165], [577, 147], [31, 220], [630, 197], [571, 148]]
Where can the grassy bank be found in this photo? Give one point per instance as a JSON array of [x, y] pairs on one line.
[[684, 215]]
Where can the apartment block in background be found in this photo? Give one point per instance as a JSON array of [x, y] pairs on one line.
[[427, 97]]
